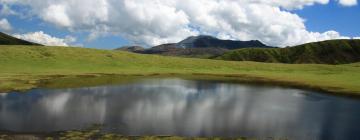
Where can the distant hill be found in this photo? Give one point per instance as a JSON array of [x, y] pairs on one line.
[[325, 52], [10, 40], [200, 46]]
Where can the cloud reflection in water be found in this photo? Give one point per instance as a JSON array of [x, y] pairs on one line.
[[182, 107]]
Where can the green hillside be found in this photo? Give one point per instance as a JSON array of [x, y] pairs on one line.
[[22, 67], [9, 40], [325, 52]]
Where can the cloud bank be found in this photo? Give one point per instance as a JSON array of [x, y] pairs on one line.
[[41, 38], [163, 21]]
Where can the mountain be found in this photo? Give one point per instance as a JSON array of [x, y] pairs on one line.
[[173, 50], [204, 41], [9, 40], [324, 52], [200, 46], [131, 48]]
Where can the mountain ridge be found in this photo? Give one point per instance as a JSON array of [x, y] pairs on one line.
[[340, 51], [6, 39]]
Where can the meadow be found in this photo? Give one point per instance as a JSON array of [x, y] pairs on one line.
[[25, 67]]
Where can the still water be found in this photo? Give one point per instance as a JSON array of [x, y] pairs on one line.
[[174, 106]]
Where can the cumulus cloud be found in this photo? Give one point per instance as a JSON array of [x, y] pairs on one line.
[[348, 2], [5, 25], [326, 36], [45, 39], [56, 14], [163, 21]]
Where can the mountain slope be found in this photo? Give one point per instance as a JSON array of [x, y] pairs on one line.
[[9, 40], [325, 52]]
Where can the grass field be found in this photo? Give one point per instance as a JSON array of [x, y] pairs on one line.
[[22, 67]]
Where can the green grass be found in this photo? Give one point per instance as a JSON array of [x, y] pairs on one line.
[[24, 67]]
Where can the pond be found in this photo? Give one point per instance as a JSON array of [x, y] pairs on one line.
[[174, 106]]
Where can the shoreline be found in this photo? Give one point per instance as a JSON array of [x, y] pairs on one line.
[[81, 135], [97, 134], [38, 81]]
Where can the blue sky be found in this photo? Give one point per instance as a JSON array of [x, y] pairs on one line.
[[333, 16], [319, 18]]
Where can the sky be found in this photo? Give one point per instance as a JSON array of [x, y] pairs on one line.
[[109, 24]]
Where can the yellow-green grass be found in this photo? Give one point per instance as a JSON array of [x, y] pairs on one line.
[[95, 133], [23, 67], [98, 135]]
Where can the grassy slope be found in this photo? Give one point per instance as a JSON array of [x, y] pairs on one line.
[[22, 66], [325, 52]]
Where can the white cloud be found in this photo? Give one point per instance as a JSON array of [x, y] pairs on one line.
[[291, 4], [356, 37], [315, 36], [56, 14], [45, 39], [164, 21], [348, 2], [5, 25]]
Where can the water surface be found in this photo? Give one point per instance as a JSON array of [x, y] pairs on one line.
[[173, 106]]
